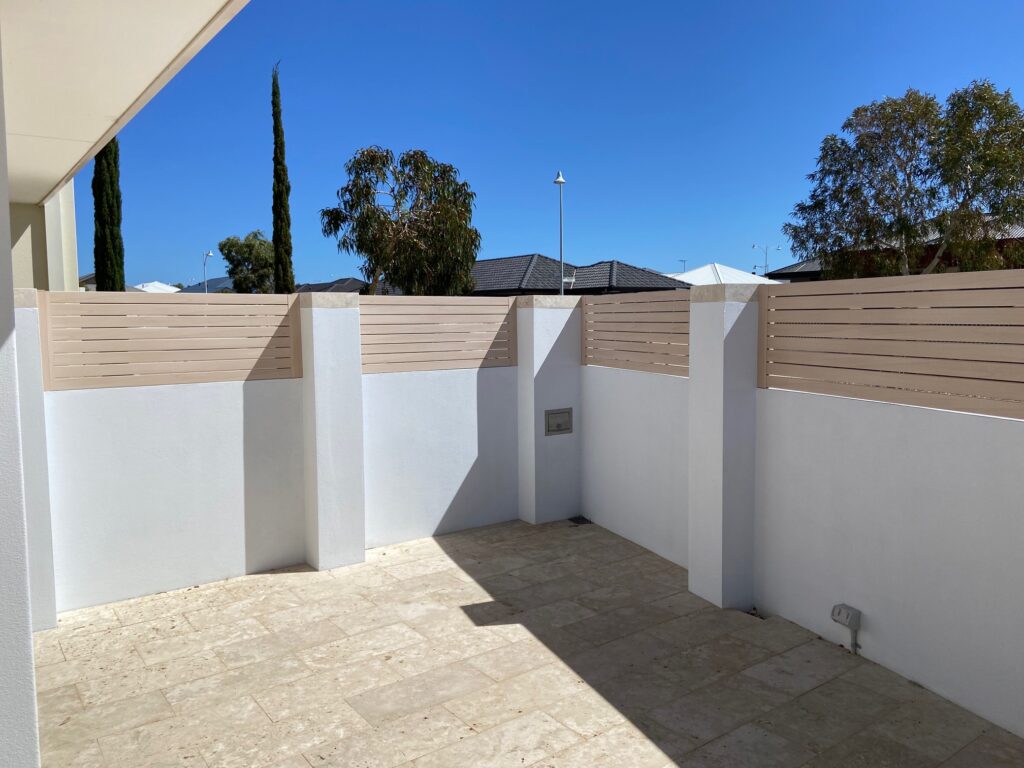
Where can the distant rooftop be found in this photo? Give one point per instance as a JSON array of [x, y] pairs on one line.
[[536, 273], [717, 274]]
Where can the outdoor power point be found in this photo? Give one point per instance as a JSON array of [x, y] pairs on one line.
[[848, 616]]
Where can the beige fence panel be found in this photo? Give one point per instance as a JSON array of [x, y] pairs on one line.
[[952, 341], [435, 333], [638, 331], [99, 339]]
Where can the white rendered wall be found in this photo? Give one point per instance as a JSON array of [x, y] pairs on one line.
[[913, 515], [35, 469], [549, 351], [19, 736], [440, 451], [332, 428], [156, 488], [634, 457]]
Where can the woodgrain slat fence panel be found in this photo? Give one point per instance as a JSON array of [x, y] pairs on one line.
[[953, 341], [436, 333], [99, 339], [638, 331]]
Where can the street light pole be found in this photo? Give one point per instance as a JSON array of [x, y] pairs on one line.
[[560, 182], [764, 248], [206, 255]]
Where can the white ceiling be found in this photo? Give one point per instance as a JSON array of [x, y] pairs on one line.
[[75, 71]]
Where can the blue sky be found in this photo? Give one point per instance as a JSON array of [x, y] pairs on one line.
[[685, 130]]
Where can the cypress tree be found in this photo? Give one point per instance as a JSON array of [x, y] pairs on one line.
[[284, 277], [108, 247]]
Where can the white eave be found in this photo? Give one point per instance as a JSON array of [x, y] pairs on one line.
[[75, 71]]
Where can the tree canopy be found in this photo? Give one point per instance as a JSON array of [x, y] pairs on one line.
[[284, 277], [250, 262], [409, 218], [108, 246], [912, 185]]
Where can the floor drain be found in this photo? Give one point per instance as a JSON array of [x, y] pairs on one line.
[[580, 520]]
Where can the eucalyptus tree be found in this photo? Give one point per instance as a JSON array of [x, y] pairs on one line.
[[909, 185], [250, 262], [409, 218]]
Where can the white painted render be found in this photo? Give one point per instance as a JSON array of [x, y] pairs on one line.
[[723, 369], [913, 515], [35, 470], [548, 378], [156, 488], [440, 451], [19, 738], [634, 457], [332, 428]]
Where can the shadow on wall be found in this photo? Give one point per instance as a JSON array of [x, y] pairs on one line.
[[272, 453]]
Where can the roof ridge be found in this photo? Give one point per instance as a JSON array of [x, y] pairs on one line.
[[613, 273], [529, 269]]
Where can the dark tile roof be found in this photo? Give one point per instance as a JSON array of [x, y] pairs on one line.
[[801, 267], [341, 285], [213, 285], [536, 273]]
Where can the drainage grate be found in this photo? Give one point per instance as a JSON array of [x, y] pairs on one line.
[[580, 520]]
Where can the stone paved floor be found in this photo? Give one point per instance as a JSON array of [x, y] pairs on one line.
[[555, 646]]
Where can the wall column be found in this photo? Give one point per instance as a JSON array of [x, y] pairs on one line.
[[723, 427], [61, 240], [549, 350], [35, 463], [332, 415], [19, 733]]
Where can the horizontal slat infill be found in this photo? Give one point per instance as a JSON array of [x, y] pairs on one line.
[[954, 342], [646, 332], [93, 340]]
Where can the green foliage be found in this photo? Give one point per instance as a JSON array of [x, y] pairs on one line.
[[914, 186], [250, 262], [410, 219], [284, 277], [108, 247]]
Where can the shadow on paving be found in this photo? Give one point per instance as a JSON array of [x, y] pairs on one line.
[[704, 686]]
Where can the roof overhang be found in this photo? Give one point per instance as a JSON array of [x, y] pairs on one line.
[[76, 71]]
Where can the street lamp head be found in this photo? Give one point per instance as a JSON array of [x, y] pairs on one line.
[[559, 179]]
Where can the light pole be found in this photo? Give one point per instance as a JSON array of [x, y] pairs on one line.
[[206, 255], [764, 248], [560, 182]]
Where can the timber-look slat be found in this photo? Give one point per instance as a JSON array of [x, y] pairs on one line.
[[436, 333], [953, 341], [646, 332], [98, 339]]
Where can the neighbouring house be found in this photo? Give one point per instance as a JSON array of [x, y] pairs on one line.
[[341, 285], [87, 282], [536, 273], [154, 287], [802, 272], [717, 274], [212, 285]]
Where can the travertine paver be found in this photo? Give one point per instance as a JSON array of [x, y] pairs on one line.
[[555, 646]]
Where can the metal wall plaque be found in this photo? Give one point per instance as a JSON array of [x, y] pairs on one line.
[[558, 421]]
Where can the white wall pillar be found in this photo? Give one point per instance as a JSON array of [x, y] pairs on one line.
[[723, 428], [19, 735], [549, 351], [35, 465], [61, 240], [332, 413]]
